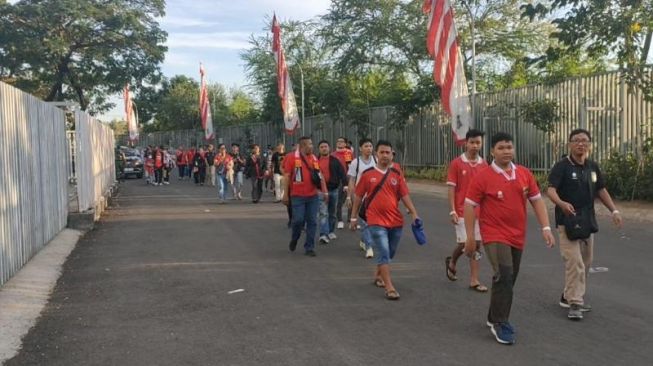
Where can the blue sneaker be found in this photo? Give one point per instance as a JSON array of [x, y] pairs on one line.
[[504, 333]]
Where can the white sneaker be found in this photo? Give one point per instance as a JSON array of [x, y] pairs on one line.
[[324, 239], [369, 253], [332, 236], [341, 225], [166, 183], [361, 245]]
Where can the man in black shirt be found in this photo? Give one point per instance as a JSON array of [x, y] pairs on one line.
[[277, 162], [574, 183], [210, 169]]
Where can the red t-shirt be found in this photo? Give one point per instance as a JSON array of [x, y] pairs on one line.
[[461, 173], [301, 184], [190, 155], [502, 199], [325, 168], [345, 156], [384, 208], [158, 159], [181, 158]]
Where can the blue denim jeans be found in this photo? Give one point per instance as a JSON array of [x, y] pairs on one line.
[[304, 211], [365, 233], [327, 216], [385, 241], [222, 186]]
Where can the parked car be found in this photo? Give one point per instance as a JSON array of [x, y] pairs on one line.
[[133, 163]]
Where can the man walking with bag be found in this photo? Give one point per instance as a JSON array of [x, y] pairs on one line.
[[302, 177], [574, 183], [378, 192]]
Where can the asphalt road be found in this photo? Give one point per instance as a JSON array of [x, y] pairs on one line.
[[150, 286]]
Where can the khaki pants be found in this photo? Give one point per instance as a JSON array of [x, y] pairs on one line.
[[210, 176], [577, 255]]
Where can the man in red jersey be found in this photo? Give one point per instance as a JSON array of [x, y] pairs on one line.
[[302, 180], [501, 191], [346, 156], [380, 188], [461, 172]]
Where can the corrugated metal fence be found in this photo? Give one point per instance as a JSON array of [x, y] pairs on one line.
[[95, 170], [618, 118], [33, 184]]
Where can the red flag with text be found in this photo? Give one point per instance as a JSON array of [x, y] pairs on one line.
[[448, 70], [130, 116], [205, 107], [284, 85]]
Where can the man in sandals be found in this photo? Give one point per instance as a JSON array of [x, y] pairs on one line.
[[382, 187], [502, 190], [461, 172]]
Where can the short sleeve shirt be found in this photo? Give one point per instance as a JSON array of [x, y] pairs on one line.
[[301, 184], [383, 210], [572, 183], [359, 165], [502, 198], [460, 175]]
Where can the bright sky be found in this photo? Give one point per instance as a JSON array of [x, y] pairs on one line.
[[216, 32]]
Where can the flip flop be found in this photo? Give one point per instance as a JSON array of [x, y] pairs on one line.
[[379, 283], [478, 287], [392, 295], [451, 273]]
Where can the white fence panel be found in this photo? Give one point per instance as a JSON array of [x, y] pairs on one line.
[[33, 184], [95, 167]]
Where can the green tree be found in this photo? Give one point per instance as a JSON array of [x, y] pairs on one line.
[[82, 50], [602, 28]]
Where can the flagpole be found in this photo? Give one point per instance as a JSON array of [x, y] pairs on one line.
[[472, 21], [301, 73]]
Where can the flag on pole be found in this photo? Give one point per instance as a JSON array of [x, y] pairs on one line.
[[284, 85], [130, 116], [205, 107], [448, 71]]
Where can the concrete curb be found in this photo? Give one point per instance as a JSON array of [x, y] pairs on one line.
[[639, 211], [25, 295]]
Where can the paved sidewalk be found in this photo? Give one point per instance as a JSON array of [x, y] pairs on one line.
[[154, 284]]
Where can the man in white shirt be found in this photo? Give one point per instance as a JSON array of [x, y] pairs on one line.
[[365, 160]]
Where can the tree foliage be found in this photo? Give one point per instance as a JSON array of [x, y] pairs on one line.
[[82, 50], [601, 28]]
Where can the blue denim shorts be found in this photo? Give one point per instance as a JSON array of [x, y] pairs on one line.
[[385, 242]]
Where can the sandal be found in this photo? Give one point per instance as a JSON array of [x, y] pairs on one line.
[[392, 295], [379, 283], [478, 287], [451, 273]]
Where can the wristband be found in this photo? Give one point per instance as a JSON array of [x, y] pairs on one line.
[[452, 213], [546, 228], [353, 220], [615, 212]]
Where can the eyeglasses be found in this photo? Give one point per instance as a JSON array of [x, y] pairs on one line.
[[581, 141]]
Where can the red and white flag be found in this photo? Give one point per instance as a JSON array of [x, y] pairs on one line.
[[130, 115], [284, 85], [448, 70], [205, 107]]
